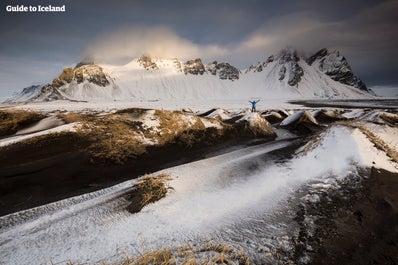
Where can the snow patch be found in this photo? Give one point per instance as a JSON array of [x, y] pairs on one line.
[[44, 124], [71, 127], [292, 118]]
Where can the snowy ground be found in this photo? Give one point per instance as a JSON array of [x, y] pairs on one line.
[[234, 197], [239, 197], [195, 105]]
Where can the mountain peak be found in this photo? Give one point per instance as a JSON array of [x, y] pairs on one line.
[[85, 62], [288, 54], [224, 70], [147, 62], [290, 68], [333, 64]]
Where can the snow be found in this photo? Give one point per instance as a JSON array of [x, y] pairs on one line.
[[197, 105], [292, 118], [353, 114], [149, 120], [221, 113], [71, 127], [168, 82], [385, 132], [44, 124], [208, 196], [209, 123], [371, 156], [252, 118]]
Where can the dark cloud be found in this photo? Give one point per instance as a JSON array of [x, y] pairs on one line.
[[35, 46]]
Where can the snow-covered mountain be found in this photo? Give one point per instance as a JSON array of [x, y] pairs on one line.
[[337, 67], [26, 94], [326, 74]]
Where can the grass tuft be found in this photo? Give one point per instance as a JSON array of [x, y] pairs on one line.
[[205, 254], [149, 190], [155, 188]]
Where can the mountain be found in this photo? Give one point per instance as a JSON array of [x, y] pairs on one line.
[[326, 74], [26, 94], [337, 67]]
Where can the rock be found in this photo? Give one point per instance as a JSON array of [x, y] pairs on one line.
[[336, 66], [327, 116], [289, 61], [50, 93], [260, 66], [318, 55], [64, 78], [273, 117], [224, 70], [90, 72], [253, 124], [301, 122], [147, 62], [194, 67], [282, 72]]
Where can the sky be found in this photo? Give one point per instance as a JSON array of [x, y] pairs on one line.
[[35, 47]]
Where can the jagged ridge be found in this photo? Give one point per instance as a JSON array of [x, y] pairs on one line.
[[324, 74], [336, 66]]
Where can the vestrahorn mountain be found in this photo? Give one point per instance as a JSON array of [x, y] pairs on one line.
[[326, 74]]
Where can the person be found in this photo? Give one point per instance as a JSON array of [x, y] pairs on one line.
[[254, 102]]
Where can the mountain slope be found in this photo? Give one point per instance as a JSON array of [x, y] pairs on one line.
[[336, 66], [289, 75], [285, 75]]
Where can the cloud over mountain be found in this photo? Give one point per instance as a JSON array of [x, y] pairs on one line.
[[129, 42]]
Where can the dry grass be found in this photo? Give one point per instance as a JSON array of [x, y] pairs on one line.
[[119, 137], [70, 117], [206, 254], [12, 121], [113, 140], [172, 125], [116, 138], [154, 188], [377, 141], [176, 129], [149, 190], [389, 117]]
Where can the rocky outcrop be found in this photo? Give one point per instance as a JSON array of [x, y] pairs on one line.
[[223, 70], [257, 68], [301, 122], [336, 66], [328, 116], [147, 62], [50, 93], [194, 67], [91, 73], [254, 125], [290, 67], [274, 116]]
